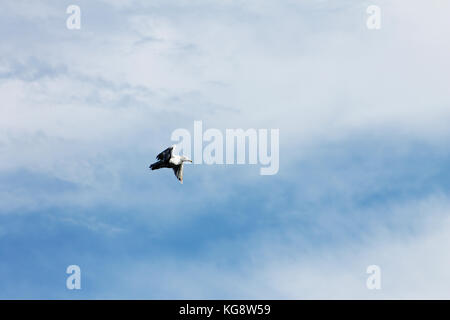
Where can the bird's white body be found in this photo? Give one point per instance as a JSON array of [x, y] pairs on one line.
[[176, 160]]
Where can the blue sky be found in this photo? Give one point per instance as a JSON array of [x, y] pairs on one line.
[[364, 160]]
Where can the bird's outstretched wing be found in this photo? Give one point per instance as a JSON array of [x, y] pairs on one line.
[[166, 154], [178, 170]]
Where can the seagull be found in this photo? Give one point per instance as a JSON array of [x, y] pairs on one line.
[[167, 159]]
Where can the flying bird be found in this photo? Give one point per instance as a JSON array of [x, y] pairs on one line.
[[167, 159]]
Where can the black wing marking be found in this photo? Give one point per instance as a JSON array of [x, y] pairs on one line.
[[159, 165], [165, 155], [178, 170]]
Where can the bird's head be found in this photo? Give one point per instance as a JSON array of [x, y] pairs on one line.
[[185, 159]]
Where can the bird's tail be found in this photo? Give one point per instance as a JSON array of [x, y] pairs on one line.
[[156, 165]]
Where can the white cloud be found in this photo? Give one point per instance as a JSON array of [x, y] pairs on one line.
[[414, 265], [81, 96]]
